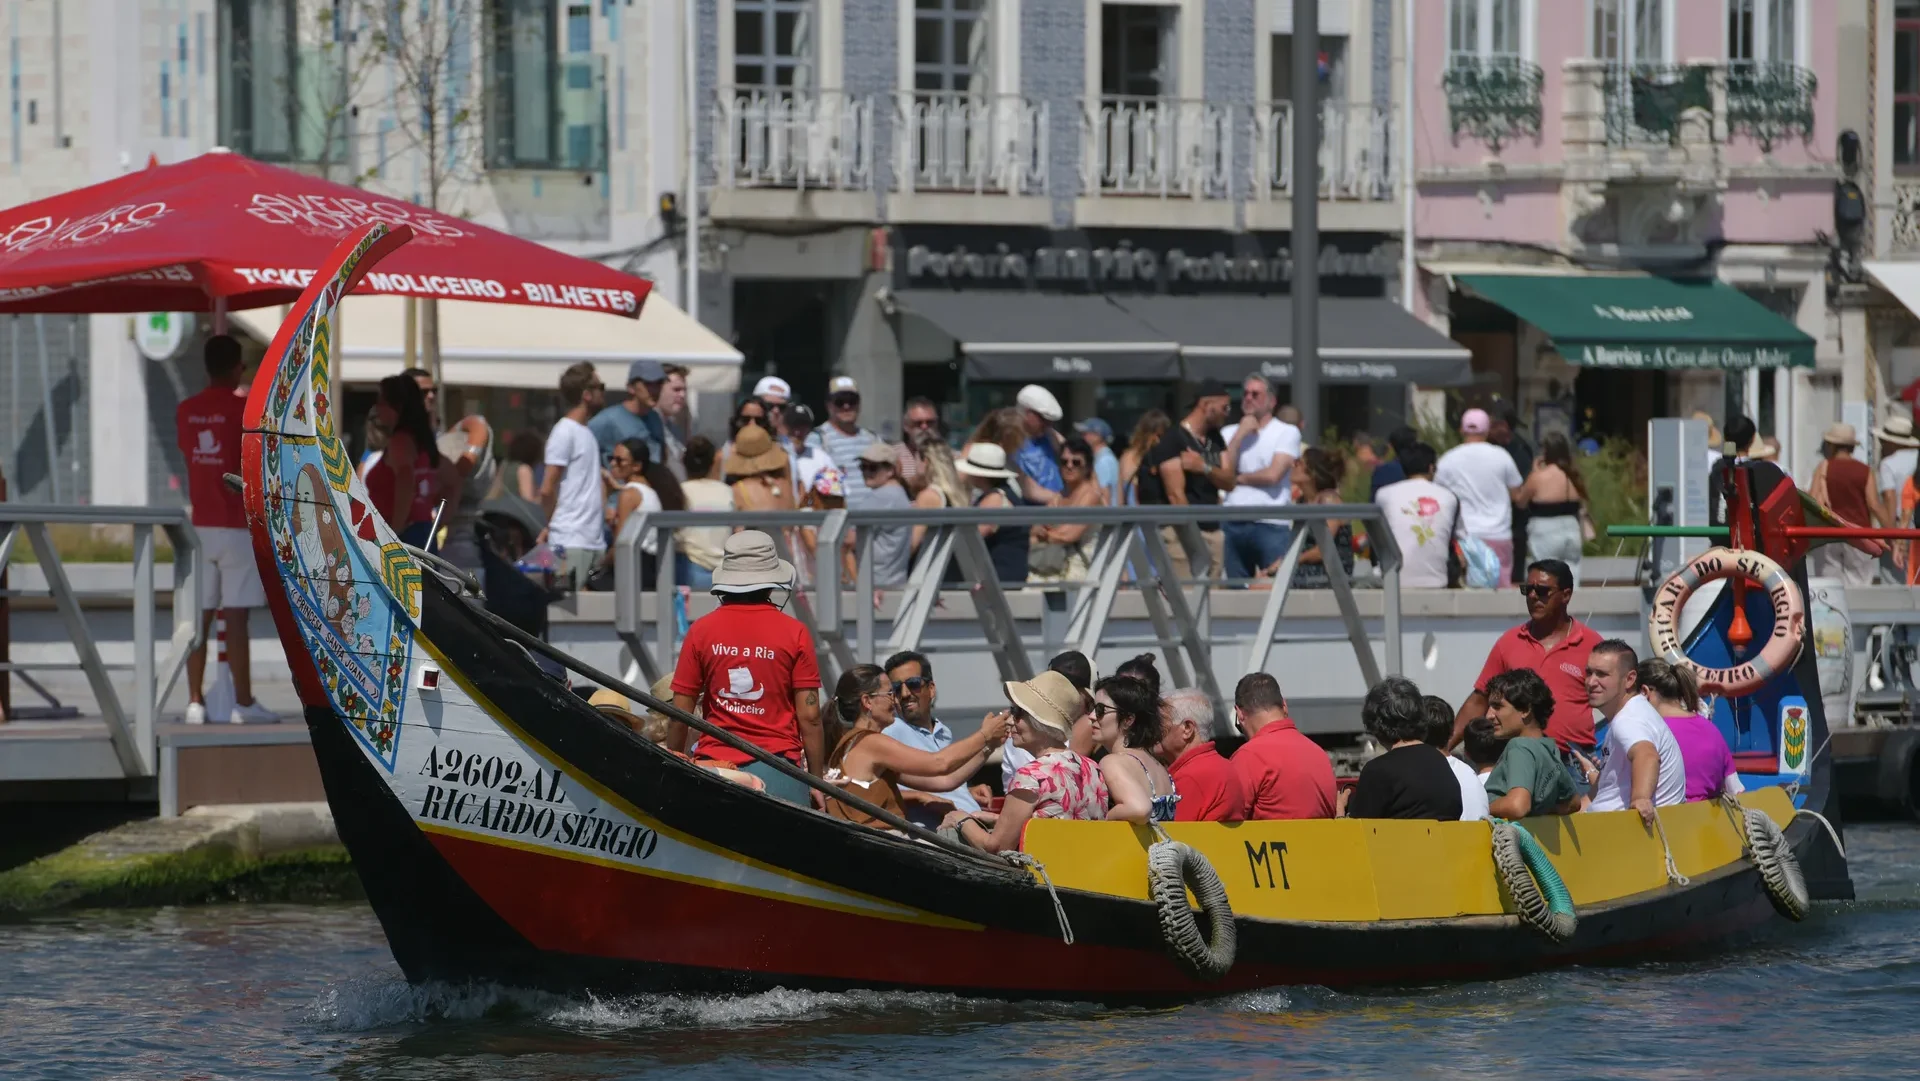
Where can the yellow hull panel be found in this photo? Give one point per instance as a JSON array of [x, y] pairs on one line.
[[1359, 870]]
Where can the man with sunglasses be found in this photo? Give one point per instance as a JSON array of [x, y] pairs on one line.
[[892, 546], [1553, 644], [919, 424], [842, 437], [914, 693]]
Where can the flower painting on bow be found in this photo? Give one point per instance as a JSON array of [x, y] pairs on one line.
[[1794, 725]]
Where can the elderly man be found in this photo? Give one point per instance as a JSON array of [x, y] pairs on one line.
[[1284, 774], [915, 694], [919, 422], [634, 418], [1552, 643], [1039, 457], [1210, 790]]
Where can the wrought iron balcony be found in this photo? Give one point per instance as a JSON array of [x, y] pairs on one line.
[[1770, 101], [1158, 146], [1649, 103], [1356, 151], [780, 137], [1493, 98], [954, 142]]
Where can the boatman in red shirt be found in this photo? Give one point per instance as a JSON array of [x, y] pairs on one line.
[[207, 426], [1210, 791], [750, 669], [1553, 644], [1285, 774]]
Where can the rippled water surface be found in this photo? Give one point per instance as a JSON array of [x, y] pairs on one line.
[[285, 991]]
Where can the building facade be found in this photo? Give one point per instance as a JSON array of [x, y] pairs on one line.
[[1586, 140], [953, 197]]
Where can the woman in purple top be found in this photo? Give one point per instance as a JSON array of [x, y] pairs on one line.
[[1676, 697]]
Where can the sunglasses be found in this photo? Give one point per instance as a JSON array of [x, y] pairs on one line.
[[844, 401], [916, 684], [1076, 463], [1538, 591], [1101, 709], [873, 467]]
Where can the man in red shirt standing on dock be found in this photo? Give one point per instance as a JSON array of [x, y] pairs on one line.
[[754, 667], [207, 426], [1553, 644]]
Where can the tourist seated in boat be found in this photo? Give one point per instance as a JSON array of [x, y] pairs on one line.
[[1284, 774], [1483, 744], [1210, 790], [1412, 779], [749, 668], [1473, 795], [1675, 695], [1529, 779], [1074, 665], [910, 674], [1640, 764], [1058, 783], [868, 763], [1126, 722]]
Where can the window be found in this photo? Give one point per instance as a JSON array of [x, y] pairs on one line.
[[546, 109], [1333, 67], [1485, 28], [1906, 84], [1762, 30], [773, 43], [1630, 31], [1137, 50], [282, 98], [950, 46]]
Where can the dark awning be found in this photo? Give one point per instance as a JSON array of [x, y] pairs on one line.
[[1017, 336], [1362, 340], [1645, 322]]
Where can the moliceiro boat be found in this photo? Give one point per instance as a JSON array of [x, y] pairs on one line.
[[507, 831]]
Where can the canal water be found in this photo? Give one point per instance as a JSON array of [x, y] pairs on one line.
[[296, 992]]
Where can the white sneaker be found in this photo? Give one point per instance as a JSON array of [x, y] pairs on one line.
[[196, 713], [253, 713]]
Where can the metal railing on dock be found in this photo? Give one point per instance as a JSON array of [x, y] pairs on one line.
[[130, 722], [1127, 552]]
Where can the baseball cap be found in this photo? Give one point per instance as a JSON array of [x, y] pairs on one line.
[[774, 386], [800, 414], [842, 384], [1211, 388], [1097, 426], [646, 371], [1475, 422], [1040, 400]]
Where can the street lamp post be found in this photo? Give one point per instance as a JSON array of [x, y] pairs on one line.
[[1305, 244]]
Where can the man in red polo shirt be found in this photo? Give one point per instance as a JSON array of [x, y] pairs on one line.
[[1553, 644], [1285, 774], [1210, 791]]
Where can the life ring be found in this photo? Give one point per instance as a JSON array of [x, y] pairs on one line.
[[1172, 869], [1782, 648], [1540, 897]]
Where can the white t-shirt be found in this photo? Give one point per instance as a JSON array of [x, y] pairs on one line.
[[650, 503], [1639, 722], [1483, 476], [576, 521], [1895, 468], [1421, 515], [1276, 437], [1473, 791]]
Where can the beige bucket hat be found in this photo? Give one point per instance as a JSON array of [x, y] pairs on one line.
[[1049, 700], [749, 563]]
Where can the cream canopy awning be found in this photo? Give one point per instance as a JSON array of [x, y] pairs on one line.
[[513, 345]]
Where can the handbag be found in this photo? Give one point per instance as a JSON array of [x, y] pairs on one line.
[[1047, 558]]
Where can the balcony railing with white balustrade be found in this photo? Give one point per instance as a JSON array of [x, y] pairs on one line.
[[977, 143], [1358, 159], [1157, 146], [778, 137]]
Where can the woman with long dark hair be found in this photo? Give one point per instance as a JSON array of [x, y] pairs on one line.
[[410, 478], [1127, 724], [1555, 495]]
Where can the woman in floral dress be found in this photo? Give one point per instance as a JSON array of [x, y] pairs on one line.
[[1058, 783]]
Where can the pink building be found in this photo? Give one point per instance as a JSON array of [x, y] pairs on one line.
[[1587, 140]]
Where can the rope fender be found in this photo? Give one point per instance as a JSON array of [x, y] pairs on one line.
[[1172, 869], [1539, 895], [1770, 854]]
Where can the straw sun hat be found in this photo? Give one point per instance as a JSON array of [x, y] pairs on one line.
[[1049, 700], [985, 460], [1897, 431], [754, 452]]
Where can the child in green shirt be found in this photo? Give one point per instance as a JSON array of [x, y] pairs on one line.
[[1529, 778]]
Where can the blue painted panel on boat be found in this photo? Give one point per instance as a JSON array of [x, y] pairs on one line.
[[1750, 722]]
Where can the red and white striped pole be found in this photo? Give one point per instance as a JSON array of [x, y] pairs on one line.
[[220, 700]]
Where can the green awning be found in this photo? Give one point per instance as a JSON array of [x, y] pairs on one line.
[[1648, 322]]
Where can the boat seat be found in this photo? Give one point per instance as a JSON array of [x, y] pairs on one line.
[[1756, 762]]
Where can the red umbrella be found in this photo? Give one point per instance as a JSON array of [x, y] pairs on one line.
[[222, 226]]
